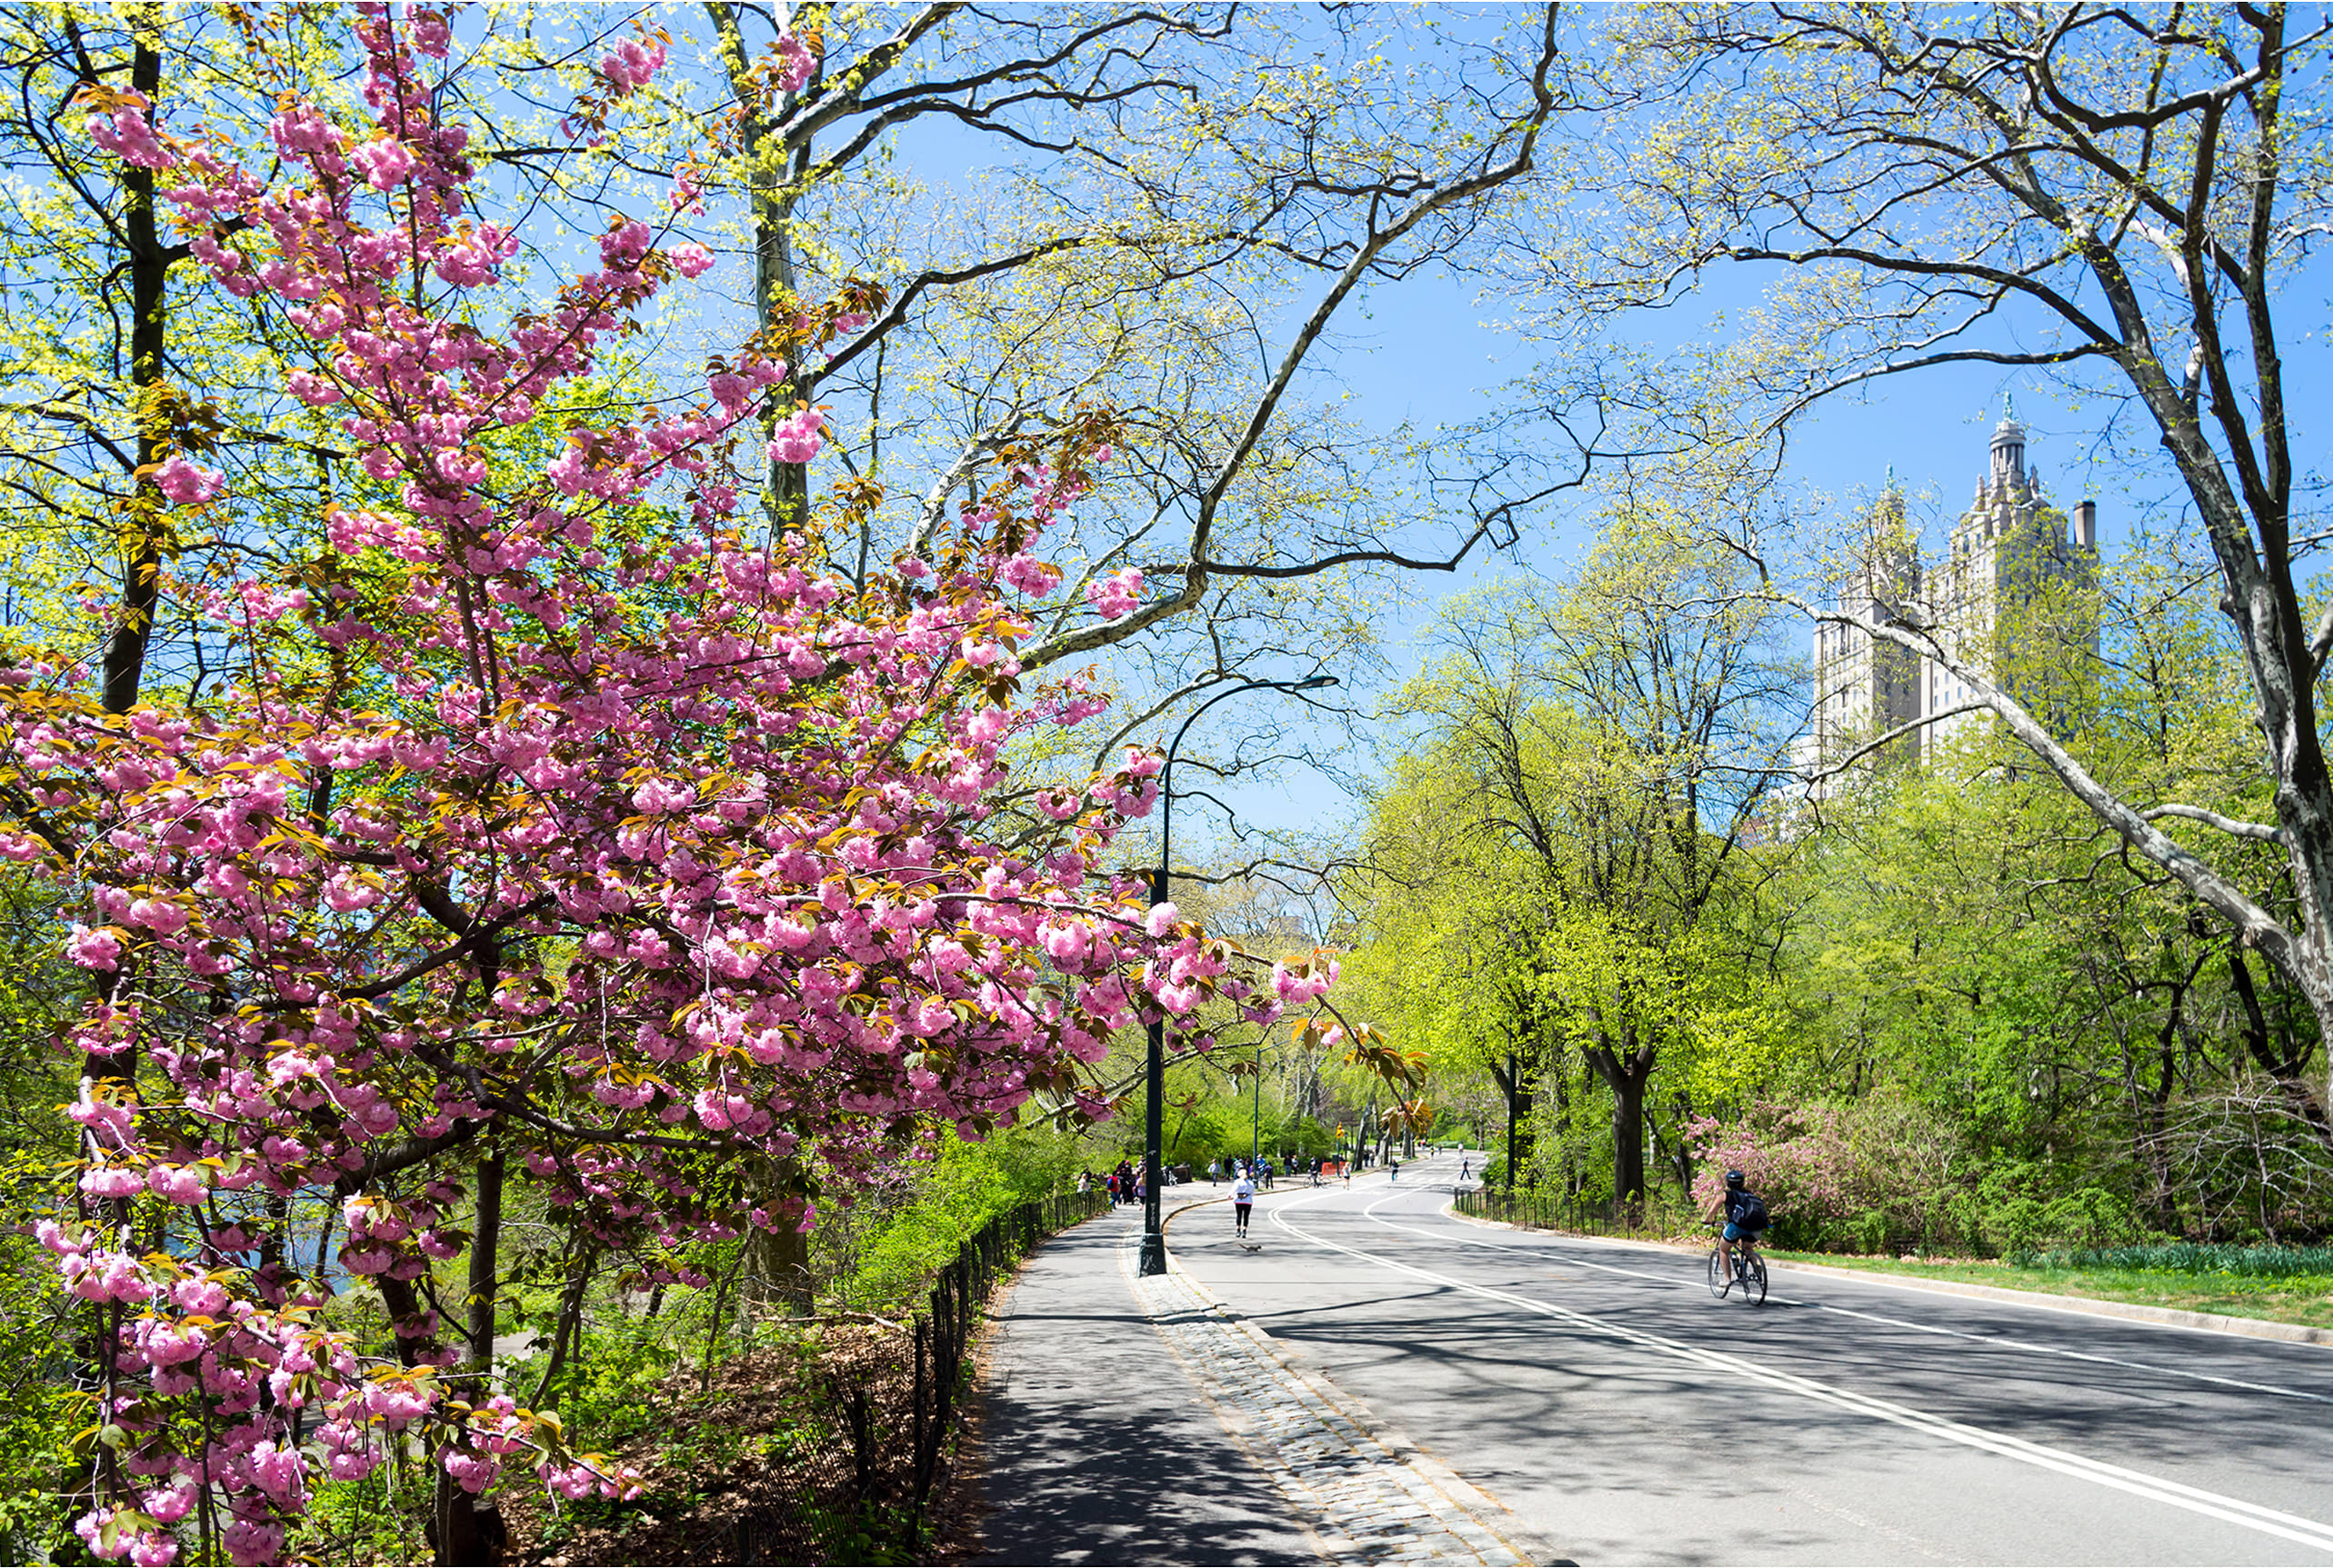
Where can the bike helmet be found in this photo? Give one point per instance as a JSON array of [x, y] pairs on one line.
[[1733, 1178]]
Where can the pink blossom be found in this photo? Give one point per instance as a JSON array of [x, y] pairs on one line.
[[278, 1471], [199, 1294], [179, 1183], [313, 390], [160, 915], [112, 1182], [795, 63], [631, 64], [250, 1542], [189, 483], [431, 32], [385, 162], [476, 257], [796, 438], [1026, 573], [346, 893], [169, 1504], [127, 134], [100, 948], [1116, 594]]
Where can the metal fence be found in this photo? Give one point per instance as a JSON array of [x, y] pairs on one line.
[[1561, 1212]]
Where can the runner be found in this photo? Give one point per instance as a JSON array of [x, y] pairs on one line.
[[1243, 1198]]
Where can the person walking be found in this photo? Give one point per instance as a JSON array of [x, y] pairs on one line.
[[1243, 1199]]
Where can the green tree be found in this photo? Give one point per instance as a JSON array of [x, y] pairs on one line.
[[2112, 200], [1572, 846]]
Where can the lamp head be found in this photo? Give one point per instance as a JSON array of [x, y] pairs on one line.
[[1314, 683]]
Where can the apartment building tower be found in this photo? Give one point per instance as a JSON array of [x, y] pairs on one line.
[[2004, 600]]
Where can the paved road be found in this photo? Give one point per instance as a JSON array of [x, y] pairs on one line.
[[1598, 1391]]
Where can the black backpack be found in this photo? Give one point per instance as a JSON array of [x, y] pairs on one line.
[[1751, 1214]]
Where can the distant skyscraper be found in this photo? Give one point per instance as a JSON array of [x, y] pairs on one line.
[[1999, 602]]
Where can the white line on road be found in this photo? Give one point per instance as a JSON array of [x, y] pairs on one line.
[[1999, 1340], [2234, 1510]]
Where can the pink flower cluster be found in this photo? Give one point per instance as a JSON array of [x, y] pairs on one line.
[[127, 132], [1116, 594], [645, 846], [796, 63], [796, 438], [632, 64], [189, 483]]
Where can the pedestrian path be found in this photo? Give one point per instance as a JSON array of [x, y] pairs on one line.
[[1134, 1419], [1095, 1447], [1368, 1496]]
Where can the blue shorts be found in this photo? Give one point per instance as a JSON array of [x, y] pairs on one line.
[[1734, 1233]]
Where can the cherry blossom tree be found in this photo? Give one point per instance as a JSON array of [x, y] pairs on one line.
[[550, 833]]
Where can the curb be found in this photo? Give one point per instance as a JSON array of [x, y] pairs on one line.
[[1235, 1425], [2091, 1306], [1487, 1512], [2086, 1306]]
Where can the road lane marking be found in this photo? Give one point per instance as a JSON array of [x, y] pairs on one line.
[[2229, 1510], [2000, 1341]]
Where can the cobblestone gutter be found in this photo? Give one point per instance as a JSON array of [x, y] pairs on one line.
[[1368, 1496]]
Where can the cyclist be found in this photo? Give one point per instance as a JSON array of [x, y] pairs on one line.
[[1745, 1217]]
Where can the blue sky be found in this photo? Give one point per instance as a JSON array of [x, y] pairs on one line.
[[1424, 351], [1431, 354]]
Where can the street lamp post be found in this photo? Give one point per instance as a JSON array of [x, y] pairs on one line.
[[1255, 1122], [1154, 1237]]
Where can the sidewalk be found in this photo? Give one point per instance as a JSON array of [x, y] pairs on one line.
[[1134, 1419], [1096, 1448]]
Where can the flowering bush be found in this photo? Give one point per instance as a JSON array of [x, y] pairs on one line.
[[1830, 1174], [548, 815]]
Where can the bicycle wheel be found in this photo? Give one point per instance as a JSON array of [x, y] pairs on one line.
[[1717, 1275], [1753, 1281]]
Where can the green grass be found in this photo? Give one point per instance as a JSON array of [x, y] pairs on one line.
[[2217, 1285]]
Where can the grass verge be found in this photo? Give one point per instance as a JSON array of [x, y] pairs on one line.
[[2299, 1299]]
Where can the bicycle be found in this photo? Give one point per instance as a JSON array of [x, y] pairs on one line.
[[1750, 1273]]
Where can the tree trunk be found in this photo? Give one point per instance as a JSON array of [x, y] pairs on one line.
[[567, 1330], [1514, 1082], [778, 1261], [148, 265], [466, 1530], [771, 184], [2287, 1066], [1627, 1076], [123, 668]]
